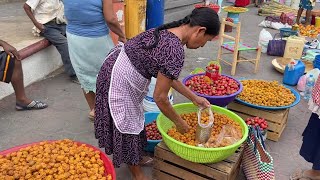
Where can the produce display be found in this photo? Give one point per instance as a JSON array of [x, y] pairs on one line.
[[229, 19], [274, 8], [266, 93], [62, 159], [152, 131], [225, 131], [233, 9], [220, 87], [309, 30], [257, 122], [212, 72]]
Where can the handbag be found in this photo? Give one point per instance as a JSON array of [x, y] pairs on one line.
[[6, 67], [276, 47], [257, 163]]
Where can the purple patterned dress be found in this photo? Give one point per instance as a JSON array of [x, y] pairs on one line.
[[167, 58]]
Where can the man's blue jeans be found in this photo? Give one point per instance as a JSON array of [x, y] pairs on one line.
[[56, 34]]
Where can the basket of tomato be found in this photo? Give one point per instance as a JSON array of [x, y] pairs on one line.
[[152, 132], [218, 89], [258, 122]]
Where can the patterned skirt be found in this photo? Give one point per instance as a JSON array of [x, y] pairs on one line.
[[125, 148], [310, 149]]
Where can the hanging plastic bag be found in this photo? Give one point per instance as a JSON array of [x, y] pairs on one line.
[[302, 83], [205, 124], [264, 38]]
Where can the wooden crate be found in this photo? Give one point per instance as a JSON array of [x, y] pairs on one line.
[[277, 120], [169, 166]]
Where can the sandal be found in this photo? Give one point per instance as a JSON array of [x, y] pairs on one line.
[[91, 116], [34, 105], [300, 175], [146, 161]]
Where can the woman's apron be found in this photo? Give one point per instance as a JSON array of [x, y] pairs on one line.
[[127, 90]]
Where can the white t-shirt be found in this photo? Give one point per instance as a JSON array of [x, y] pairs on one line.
[[46, 10]]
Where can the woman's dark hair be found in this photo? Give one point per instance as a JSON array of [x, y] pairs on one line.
[[204, 17]]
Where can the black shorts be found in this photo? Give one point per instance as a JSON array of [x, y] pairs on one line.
[[6, 67]]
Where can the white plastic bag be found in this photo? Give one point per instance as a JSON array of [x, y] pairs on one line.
[[264, 38], [315, 72], [302, 83]]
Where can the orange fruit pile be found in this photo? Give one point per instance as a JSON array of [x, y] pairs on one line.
[[62, 159], [220, 120], [309, 30]]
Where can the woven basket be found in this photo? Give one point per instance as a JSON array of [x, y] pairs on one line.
[[199, 154]]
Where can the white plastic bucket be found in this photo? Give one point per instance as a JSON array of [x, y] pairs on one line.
[[149, 104], [152, 106]]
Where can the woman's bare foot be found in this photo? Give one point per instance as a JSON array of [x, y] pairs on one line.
[[312, 174], [91, 115], [307, 174], [142, 178]]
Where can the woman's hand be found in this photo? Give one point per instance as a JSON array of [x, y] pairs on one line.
[[182, 126], [201, 102]]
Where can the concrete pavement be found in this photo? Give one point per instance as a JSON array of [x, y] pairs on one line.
[[66, 116]]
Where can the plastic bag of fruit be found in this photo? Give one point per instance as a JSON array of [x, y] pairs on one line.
[[205, 124], [227, 136]]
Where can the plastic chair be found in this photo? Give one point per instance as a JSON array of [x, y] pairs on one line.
[[235, 47]]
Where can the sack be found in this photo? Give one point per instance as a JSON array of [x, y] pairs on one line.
[[6, 67], [302, 83], [294, 47], [241, 3], [257, 162], [276, 47], [264, 38], [287, 18]]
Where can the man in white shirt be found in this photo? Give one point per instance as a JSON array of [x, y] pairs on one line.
[[48, 19]]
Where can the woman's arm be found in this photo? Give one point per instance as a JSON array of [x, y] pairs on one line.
[[160, 96], [182, 89], [112, 21]]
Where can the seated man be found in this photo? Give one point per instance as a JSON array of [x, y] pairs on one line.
[[48, 19], [11, 71]]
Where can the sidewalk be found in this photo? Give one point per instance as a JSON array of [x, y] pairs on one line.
[[66, 116]]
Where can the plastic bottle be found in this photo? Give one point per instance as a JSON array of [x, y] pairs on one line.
[[309, 85]]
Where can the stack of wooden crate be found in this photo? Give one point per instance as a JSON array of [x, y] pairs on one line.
[[277, 120], [169, 166]]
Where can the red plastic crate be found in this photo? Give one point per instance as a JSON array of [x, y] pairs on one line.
[[212, 6], [109, 169]]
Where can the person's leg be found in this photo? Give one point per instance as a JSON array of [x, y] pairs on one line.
[[137, 173], [299, 15], [308, 17], [22, 102], [18, 85], [54, 33], [90, 98]]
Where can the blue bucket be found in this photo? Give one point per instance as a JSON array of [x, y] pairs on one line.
[[316, 62], [149, 118]]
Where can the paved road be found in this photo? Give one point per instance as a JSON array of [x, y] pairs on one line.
[[66, 116]]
